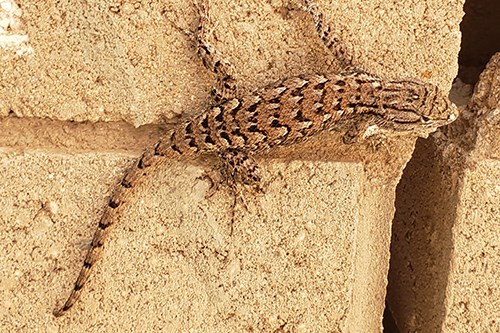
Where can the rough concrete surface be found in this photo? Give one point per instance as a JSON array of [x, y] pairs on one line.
[[310, 254], [473, 291], [444, 274]]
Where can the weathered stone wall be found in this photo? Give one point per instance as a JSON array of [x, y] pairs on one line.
[[85, 86]]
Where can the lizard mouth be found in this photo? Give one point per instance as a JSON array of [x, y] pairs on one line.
[[452, 117], [439, 122]]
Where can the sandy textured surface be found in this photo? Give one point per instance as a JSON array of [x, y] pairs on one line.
[[103, 61], [303, 256], [311, 254], [444, 273], [473, 290], [173, 264]]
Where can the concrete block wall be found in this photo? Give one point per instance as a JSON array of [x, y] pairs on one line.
[[86, 86], [444, 251]]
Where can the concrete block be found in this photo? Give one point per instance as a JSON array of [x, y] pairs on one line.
[[444, 265], [311, 254]]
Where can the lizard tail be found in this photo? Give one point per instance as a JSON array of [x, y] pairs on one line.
[[122, 190]]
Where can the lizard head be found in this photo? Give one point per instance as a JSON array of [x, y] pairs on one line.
[[421, 111], [437, 110]]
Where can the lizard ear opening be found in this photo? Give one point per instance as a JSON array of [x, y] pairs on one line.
[[403, 116]]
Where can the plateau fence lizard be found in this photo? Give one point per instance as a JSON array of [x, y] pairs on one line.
[[284, 113]]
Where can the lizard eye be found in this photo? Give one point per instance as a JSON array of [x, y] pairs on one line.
[[425, 119]]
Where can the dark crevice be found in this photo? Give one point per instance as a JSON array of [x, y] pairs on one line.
[[425, 209], [208, 139], [421, 244], [480, 29]]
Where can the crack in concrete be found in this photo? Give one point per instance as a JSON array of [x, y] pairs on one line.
[[67, 136]]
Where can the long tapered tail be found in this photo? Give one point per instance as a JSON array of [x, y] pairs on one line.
[[122, 190]]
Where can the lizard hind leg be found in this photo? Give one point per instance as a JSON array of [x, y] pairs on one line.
[[213, 59], [342, 51], [242, 168], [236, 167]]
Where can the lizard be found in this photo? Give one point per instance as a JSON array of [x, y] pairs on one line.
[[283, 113]]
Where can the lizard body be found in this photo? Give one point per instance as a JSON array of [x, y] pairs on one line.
[[287, 112]]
